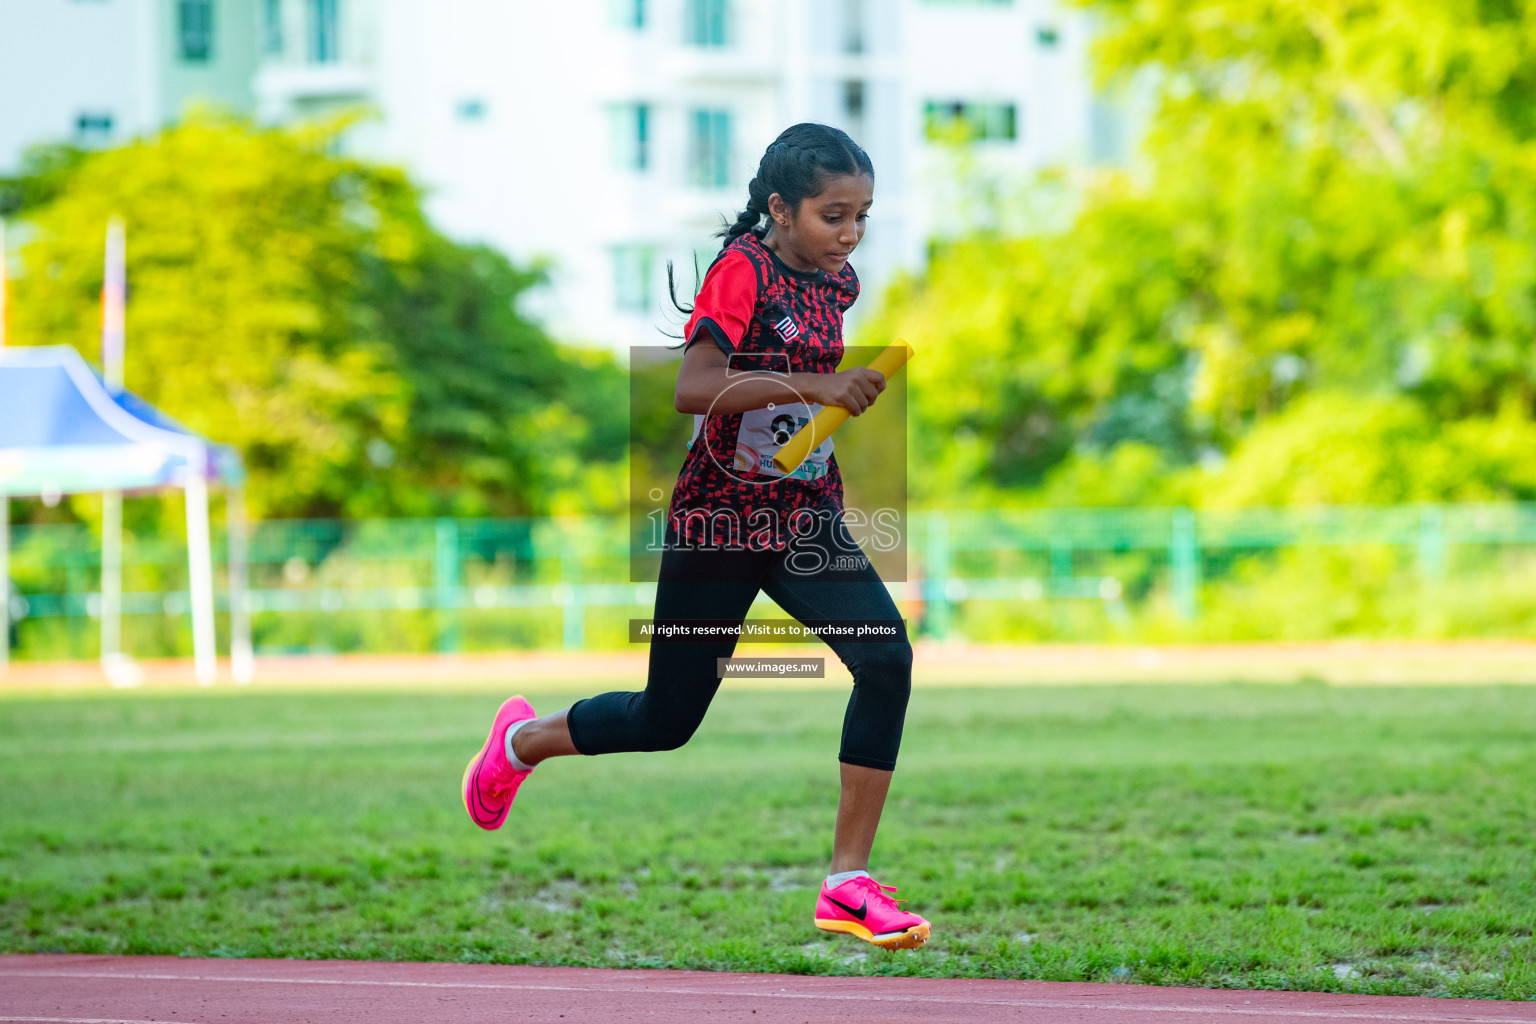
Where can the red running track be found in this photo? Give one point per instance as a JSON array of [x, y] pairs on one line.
[[163, 990]]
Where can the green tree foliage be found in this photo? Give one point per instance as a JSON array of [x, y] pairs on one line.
[[45, 170], [1332, 197], [1337, 448], [299, 306]]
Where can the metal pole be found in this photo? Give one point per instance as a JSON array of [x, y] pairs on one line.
[[1061, 564], [573, 617], [5, 582], [4, 322], [111, 577], [5, 502], [241, 658], [446, 585], [114, 299], [114, 294], [1431, 543], [1059, 584], [1184, 563], [940, 611], [200, 575]]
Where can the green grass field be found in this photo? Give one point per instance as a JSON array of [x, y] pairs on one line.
[[1355, 839]]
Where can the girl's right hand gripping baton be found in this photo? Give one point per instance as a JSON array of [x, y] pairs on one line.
[[808, 437]]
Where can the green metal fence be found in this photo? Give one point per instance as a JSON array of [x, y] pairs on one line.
[[1093, 574]]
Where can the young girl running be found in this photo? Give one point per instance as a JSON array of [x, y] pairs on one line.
[[761, 350]]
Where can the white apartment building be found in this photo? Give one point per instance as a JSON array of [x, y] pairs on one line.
[[604, 137], [101, 72]]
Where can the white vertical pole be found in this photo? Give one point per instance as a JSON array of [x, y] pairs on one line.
[[5, 502], [114, 295], [242, 660], [4, 322], [111, 577], [200, 573], [114, 298], [5, 582]]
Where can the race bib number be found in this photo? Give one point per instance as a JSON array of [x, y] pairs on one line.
[[764, 431]]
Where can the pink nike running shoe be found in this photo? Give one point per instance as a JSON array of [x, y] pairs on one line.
[[490, 781], [865, 908]]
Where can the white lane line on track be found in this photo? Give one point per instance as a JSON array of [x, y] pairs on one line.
[[757, 993]]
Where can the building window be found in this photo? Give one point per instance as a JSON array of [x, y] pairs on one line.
[[93, 127], [853, 99], [272, 27], [632, 266], [707, 22], [628, 14], [324, 32], [194, 25], [853, 26], [710, 152], [970, 122], [630, 129]]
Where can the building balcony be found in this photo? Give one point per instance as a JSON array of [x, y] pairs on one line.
[[717, 65], [288, 84]]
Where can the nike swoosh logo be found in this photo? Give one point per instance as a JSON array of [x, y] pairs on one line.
[[863, 909], [484, 814]]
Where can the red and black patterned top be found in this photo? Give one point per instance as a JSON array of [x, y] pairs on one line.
[[764, 316]]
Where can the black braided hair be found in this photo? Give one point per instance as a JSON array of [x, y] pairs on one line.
[[797, 165], [752, 216]]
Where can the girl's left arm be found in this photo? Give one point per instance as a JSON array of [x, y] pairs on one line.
[[707, 385]]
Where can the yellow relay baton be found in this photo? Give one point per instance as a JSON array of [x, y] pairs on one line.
[[808, 437]]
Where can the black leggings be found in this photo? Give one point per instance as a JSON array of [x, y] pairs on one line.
[[716, 584]]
